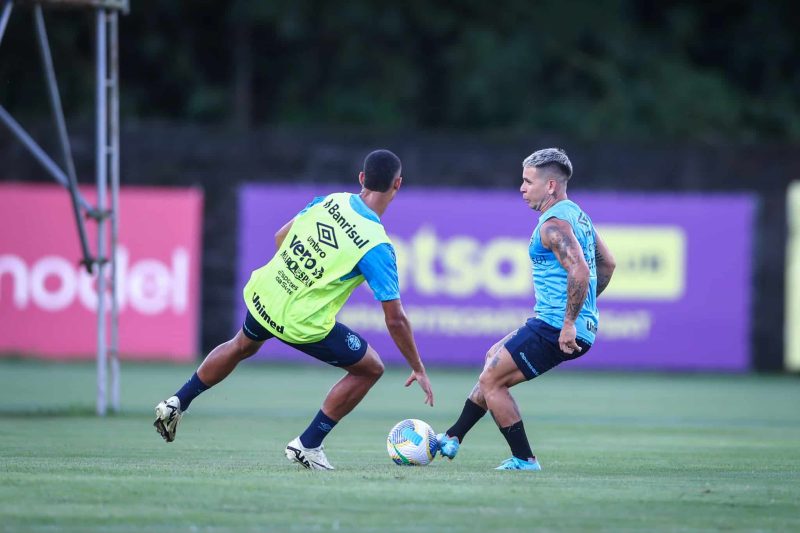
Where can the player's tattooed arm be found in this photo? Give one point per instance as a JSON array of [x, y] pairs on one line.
[[605, 263], [557, 235]]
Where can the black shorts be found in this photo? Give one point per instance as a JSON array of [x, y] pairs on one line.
[[341, 347], [534, 347]]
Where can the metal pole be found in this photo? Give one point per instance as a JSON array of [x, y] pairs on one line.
[[101, 163], [114, 134], [36, 151], [4, 17], [61, 127]]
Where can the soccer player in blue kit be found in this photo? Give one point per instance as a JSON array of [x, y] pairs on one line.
[[571, 267]]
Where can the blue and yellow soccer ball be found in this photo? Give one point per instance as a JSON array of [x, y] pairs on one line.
[[411, 442]]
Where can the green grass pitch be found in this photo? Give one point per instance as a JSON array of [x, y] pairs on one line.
[[637, 452]]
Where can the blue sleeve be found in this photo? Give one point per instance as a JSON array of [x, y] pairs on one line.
[[315, 201], [379, 267]]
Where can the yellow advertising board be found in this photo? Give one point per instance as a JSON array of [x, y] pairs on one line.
[[651, 261]]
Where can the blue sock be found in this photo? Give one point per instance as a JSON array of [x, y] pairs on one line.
[[190, 390], [317, 430]]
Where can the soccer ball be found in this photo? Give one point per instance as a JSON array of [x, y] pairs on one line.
[[411, 442]]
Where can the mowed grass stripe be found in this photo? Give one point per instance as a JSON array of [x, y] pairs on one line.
[[619, 451]]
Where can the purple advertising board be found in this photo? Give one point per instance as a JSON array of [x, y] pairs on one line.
[[679, 299]]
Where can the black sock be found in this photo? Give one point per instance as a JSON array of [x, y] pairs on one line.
[[470, 415], [517, 441]]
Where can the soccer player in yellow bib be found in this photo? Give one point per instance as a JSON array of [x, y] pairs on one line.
[[324, 253]]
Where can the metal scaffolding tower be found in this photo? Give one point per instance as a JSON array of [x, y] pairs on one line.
[[103, 263]]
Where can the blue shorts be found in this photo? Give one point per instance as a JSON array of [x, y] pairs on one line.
[[534, 347], [341, 347]]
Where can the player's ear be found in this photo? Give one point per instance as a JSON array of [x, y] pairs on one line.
[[397, 182], [361, 178]]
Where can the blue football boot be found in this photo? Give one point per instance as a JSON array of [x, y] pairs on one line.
[[515, 463], [448, 446]]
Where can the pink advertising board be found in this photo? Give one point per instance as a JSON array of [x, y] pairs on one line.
[[48, 301]]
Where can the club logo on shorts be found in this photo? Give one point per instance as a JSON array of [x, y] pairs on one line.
[[327, 235], [353, 342]]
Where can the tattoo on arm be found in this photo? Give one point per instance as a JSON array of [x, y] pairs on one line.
[[603, 273], [576, 295], [602, 283], [605, 263], [569, 254]]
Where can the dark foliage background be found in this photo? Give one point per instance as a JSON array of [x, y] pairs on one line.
[[584, 69]]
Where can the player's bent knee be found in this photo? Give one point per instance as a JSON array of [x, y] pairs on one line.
[[370, 366], [371, 372], [378, 370], [487, 382], [376, 367]]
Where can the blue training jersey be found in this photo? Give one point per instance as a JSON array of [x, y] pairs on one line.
[[379, 265], [550, 278]]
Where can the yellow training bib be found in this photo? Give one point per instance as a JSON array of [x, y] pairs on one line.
[[297, 294]]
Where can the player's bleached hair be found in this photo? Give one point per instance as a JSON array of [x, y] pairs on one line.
[[554, 159]]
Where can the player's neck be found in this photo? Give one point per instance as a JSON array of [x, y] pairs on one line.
[[376, 201], [552, 200]]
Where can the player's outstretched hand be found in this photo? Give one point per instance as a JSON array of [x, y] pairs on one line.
[[424, 382]]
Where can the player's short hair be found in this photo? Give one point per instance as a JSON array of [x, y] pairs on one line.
[[381, 167], [550, 159]]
